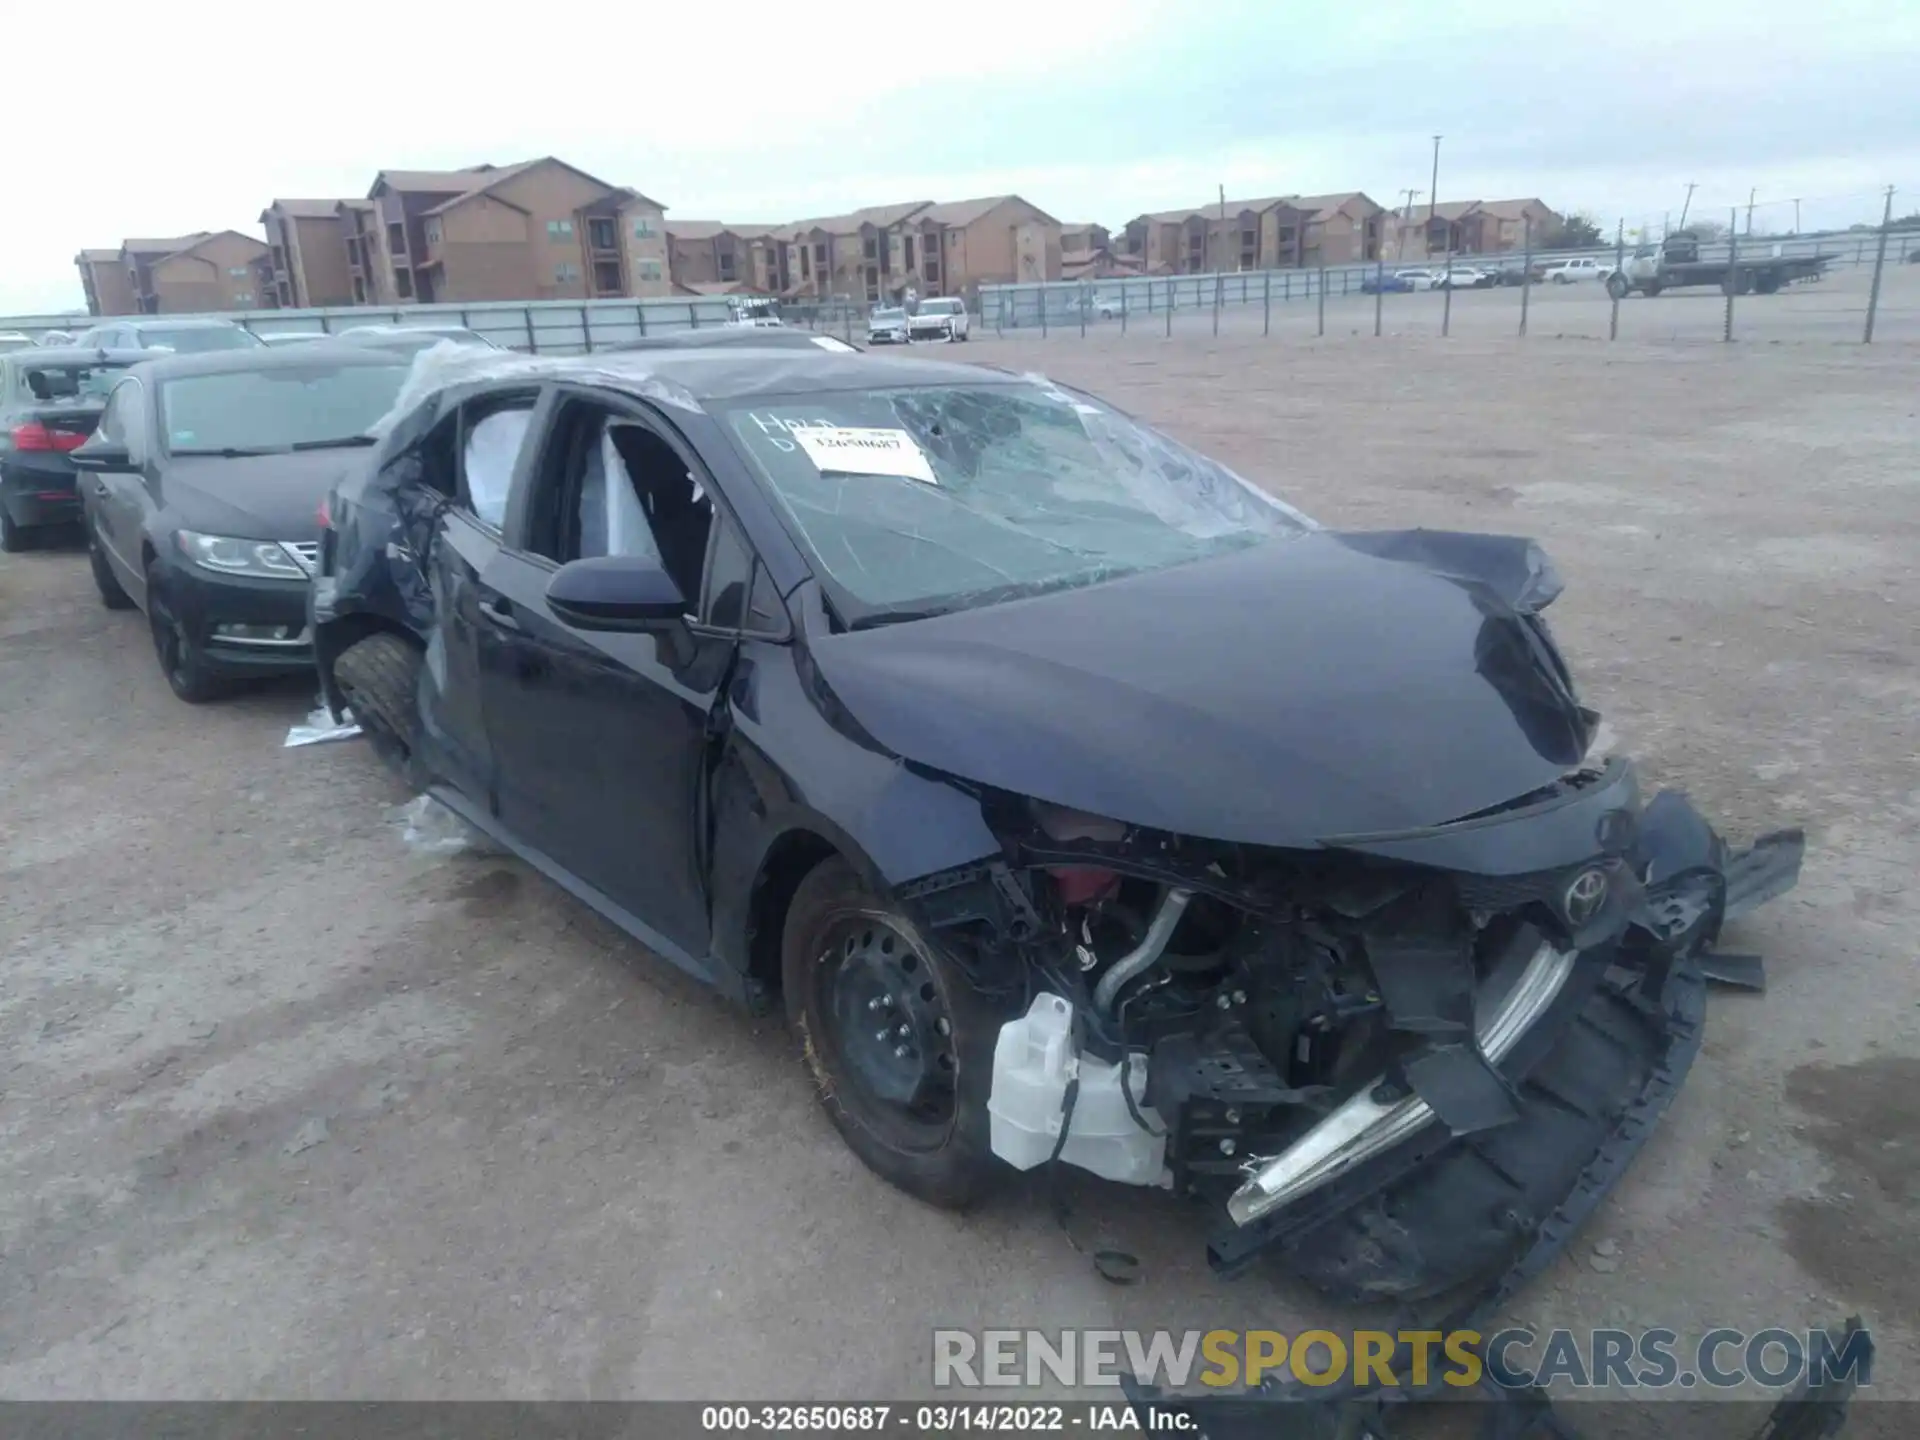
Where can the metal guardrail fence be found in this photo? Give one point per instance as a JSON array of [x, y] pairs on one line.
[[541, 327], [1153, 301]]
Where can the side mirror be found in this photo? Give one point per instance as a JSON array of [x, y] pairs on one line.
[[94, 455], [37, 383], [615, 592]]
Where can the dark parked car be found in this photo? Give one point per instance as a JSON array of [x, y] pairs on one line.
[[1385, 284], [181, 335], [49, 401], [1079, 800], [411, 339], [735, 337], [203, 482]]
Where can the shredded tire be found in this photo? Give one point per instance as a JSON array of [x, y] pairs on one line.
[[378, 677]]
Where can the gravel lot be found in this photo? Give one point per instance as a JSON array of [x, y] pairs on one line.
[[287, 1109]]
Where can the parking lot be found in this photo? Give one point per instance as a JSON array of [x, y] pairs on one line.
[[289, 1108]]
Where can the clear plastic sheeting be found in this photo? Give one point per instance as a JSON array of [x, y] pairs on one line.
[[320, 726], [429, 828], [443, 366]]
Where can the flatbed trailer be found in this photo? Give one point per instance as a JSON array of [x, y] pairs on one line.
[[1676, 264]]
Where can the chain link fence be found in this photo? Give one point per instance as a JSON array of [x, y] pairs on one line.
[[1746, 273]]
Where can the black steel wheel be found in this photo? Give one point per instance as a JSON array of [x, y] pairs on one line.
[[899, 1042], [180, 652]]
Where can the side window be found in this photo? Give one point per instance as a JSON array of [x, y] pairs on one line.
[[119, 422], [729, 579], [740, 593], [610, 485], [491, 442]]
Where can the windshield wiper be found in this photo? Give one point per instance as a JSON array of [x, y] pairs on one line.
[[232, 452], [343, 443]]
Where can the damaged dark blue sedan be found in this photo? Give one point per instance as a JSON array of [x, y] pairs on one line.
[[1079, 801]]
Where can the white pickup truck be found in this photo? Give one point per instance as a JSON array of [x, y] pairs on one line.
[[939, 318]]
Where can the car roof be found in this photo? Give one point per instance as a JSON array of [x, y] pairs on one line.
[[727, 337], [735, 373], [171, 322], [447, 329], [263, 357], [75, 355]]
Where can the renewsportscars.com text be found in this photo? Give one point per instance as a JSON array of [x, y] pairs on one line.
[[1652, 1359]]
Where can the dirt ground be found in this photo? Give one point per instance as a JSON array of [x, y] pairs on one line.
[[289, 1110]]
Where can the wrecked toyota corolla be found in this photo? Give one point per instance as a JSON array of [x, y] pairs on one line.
[[1080, 801]]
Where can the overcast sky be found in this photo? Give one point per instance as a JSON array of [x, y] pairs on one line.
[[1094, 111]]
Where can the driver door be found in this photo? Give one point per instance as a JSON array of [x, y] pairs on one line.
[[600, 738]]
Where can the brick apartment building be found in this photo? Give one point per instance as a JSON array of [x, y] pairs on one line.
[[1473, 227], [183, 275], [1273, 232], [537, 230], [881, 252], [713, 257], [307, 241]]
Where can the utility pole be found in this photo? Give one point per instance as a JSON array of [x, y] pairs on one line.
[[1406, 218], [1750, 194], [1796, 217], [1691, 187], [1433, 192]]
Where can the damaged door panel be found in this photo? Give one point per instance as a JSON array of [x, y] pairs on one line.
[[1083, 803]]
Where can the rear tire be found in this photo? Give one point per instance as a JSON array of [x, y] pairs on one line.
[[13, 538], [850, 960], [104, 580], [379, 679]]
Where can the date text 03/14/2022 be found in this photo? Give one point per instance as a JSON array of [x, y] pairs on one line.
[[937, 1419]]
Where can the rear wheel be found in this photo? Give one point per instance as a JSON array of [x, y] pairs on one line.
[[112, 595], [899, 1043], [378, 677], [13, 538], [181, 653]]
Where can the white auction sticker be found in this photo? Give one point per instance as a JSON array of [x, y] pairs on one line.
[[851, 451]]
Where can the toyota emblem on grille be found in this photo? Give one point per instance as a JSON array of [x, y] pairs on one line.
[[1585, 896]]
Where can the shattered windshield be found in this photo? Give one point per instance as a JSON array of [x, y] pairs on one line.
[[929, 499]]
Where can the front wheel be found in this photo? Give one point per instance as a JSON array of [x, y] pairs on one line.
[[1618, 287], [181, 653], [899, 1043]]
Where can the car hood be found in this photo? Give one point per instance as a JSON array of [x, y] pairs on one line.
[[264, 497], [1326, 685]]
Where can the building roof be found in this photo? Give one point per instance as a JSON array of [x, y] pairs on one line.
[[708, 229], [880, 217], [164, 247], [99, 257], [451, 182], [488, 178], [1515, 209], [304, 209], [961, 213], [1322, 206]]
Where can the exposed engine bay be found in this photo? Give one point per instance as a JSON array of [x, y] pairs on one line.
[[1262, 1029]]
